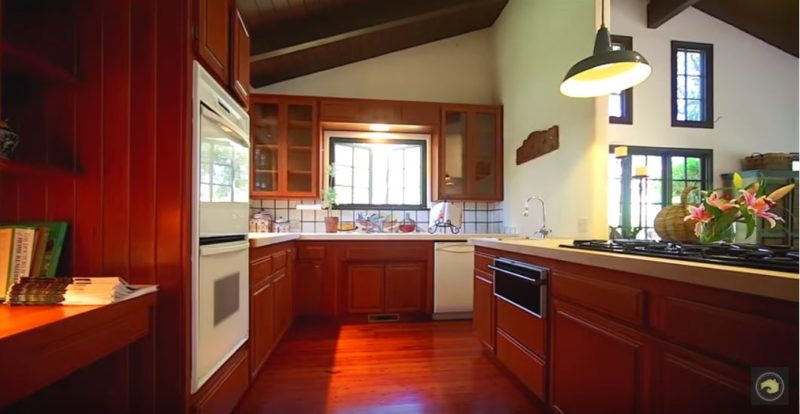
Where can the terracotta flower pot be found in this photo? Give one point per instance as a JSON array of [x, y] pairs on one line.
[[331, 224]]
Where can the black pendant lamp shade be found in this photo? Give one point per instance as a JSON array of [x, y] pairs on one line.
[[606, 71]]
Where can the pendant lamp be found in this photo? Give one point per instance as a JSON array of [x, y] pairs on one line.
[[607, 70]]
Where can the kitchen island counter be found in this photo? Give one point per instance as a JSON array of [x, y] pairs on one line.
[[759, 282], [265, 239]]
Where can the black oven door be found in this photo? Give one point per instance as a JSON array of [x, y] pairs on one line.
[[521, 284]]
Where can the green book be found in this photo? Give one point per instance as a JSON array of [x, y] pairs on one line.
[[56, 234]]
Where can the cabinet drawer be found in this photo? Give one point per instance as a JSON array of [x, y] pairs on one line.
[[482, 262], [528, 330], [279, 261], [620, 301], [312, 252], [259, 272], [752, 340], [389, 252], [528, 368]]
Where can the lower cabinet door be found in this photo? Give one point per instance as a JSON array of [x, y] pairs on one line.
[[283, 303], [405, 287], [597, 365], [483, 310], [529, 368], [262, 328], [686, 383], [365, 288], [309, 282]]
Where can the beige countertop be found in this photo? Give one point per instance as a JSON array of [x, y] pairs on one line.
[[768, 283], [265, 239]]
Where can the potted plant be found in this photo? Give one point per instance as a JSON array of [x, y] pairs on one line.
[[328, 200], [716, 214]]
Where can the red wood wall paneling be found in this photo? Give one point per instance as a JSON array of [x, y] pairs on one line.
[[125, 130]]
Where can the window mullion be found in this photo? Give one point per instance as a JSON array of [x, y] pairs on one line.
[[625, 182]]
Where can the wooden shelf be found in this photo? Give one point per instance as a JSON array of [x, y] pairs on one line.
[[27, 169], [300, 148], [300, 124], [264, 123], [21, 63], [270, 146]]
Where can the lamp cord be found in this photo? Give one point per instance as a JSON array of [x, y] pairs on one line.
[[603, 13]]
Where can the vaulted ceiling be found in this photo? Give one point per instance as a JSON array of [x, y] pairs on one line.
[[292, 38], [773, 21]]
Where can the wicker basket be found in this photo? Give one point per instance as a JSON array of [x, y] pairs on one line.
[[669, 224], [769, 161]]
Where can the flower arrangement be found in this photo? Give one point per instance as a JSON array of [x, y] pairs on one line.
[[716, 214]]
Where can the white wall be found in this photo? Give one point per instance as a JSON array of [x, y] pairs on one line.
[[457, 70], [536, 42], [755, 88]]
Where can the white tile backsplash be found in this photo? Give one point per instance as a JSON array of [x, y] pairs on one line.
[[479, 217]]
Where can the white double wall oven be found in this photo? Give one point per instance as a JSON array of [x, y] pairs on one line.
[[220, 279]]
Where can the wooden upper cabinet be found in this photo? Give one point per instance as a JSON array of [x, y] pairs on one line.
[[240, 59], [285, 148], [213, 35], [376, 112], [419, 113], [338, 111], [470, 154], [379, 112]]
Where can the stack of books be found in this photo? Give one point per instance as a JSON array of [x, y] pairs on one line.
[[73, 291], [29, 250]]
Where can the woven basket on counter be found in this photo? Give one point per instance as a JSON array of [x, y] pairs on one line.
[[769, 161], [669, 224]]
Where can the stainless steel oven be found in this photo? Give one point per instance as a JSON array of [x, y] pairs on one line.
[[524, 285]]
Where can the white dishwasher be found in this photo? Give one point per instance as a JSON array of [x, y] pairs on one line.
[[452, 280]]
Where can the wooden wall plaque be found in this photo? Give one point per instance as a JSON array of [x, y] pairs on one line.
[[537, 144]]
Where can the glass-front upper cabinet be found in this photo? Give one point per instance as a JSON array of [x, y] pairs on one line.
[[265, 133], [470, 154], [285, 147]]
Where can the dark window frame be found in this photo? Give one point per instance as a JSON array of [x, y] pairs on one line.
[[707, 72], [666, 153], [423, 144], [626, 96]]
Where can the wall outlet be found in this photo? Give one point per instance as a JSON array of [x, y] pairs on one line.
[[583, 225]]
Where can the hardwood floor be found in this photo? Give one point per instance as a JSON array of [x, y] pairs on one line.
[[396, 368]]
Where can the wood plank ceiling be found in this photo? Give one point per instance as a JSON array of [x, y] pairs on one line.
[[773, 21], [292, 38]]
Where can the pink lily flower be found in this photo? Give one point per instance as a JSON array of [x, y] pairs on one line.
[[715, 200], [760, 207], [698, 214], [701, 216]]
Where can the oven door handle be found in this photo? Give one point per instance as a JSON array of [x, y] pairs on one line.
[[225, 125], [223, 248], [535, 282]]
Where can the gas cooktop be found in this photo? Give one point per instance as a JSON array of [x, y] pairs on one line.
[[780, 258]]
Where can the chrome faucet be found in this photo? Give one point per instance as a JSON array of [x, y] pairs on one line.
[[543, 231]]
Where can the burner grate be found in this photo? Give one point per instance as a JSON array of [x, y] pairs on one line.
[[780, 258]]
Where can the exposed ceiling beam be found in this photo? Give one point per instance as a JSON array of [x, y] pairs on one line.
[[774, 21], [461, 16], [660, 11], [453, 10]]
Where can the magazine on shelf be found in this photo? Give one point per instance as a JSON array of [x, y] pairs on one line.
[[74, 291]]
